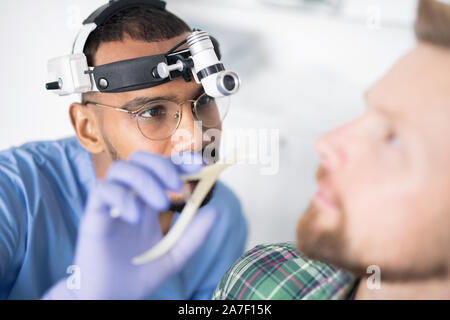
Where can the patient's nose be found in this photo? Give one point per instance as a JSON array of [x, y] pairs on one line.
[[331, 149]]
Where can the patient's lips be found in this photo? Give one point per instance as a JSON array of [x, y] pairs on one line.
[[326, 193], [322, 197]]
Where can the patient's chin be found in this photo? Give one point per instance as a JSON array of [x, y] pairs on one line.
[[316, 227], [326, 243], [307, 230], [321, 241]]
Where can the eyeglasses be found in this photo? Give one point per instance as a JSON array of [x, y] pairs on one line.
[[158, 120]]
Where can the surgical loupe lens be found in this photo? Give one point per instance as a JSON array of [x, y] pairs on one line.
[[229, 82], [211, 111]]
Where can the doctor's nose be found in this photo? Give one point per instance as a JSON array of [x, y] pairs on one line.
[[189, 135]]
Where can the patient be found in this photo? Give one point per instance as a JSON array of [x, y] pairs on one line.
[[382, 211]]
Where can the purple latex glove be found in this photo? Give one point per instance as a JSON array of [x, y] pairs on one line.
[[106, 245]]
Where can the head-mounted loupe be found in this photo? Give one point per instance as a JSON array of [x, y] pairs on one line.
[[201, 61]]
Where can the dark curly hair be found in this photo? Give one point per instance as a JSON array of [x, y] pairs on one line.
[[140, 23]]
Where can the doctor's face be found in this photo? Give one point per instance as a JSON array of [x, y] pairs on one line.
[[120, 132], [384, 179]]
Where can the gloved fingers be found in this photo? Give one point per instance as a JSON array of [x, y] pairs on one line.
[[187, 162], [194, 236], [112, 198], [142, 182], [165, 168], [161, 168]]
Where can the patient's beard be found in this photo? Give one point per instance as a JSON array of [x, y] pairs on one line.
[[333, 247], [330, 246]]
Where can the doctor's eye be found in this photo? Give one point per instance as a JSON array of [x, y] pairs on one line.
[[154, 112], [205, 101]]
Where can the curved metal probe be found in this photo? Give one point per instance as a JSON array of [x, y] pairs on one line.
[[207, 177]]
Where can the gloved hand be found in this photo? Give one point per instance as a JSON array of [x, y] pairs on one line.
[[105, 247]]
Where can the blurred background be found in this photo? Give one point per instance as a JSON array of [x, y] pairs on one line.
[[305, 65]]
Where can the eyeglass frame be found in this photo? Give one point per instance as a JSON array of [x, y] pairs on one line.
[[179, 112]]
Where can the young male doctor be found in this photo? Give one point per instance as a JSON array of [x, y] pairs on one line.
[[58, 239]]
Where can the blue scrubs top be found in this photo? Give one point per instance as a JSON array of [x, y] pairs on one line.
[[43, 190]]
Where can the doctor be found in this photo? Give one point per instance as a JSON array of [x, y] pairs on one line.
[[74, 212]]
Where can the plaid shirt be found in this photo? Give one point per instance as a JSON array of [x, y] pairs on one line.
[[279, 272]]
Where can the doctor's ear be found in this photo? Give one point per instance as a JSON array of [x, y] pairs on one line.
[[86, 124]]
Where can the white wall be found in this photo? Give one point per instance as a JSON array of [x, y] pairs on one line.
[[304, 72]]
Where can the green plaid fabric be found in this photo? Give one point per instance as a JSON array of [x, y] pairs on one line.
[[279, 272]]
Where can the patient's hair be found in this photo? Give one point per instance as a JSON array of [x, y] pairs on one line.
[[433, 22]]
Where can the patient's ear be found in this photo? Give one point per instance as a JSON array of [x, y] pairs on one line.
[[85, 122]]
